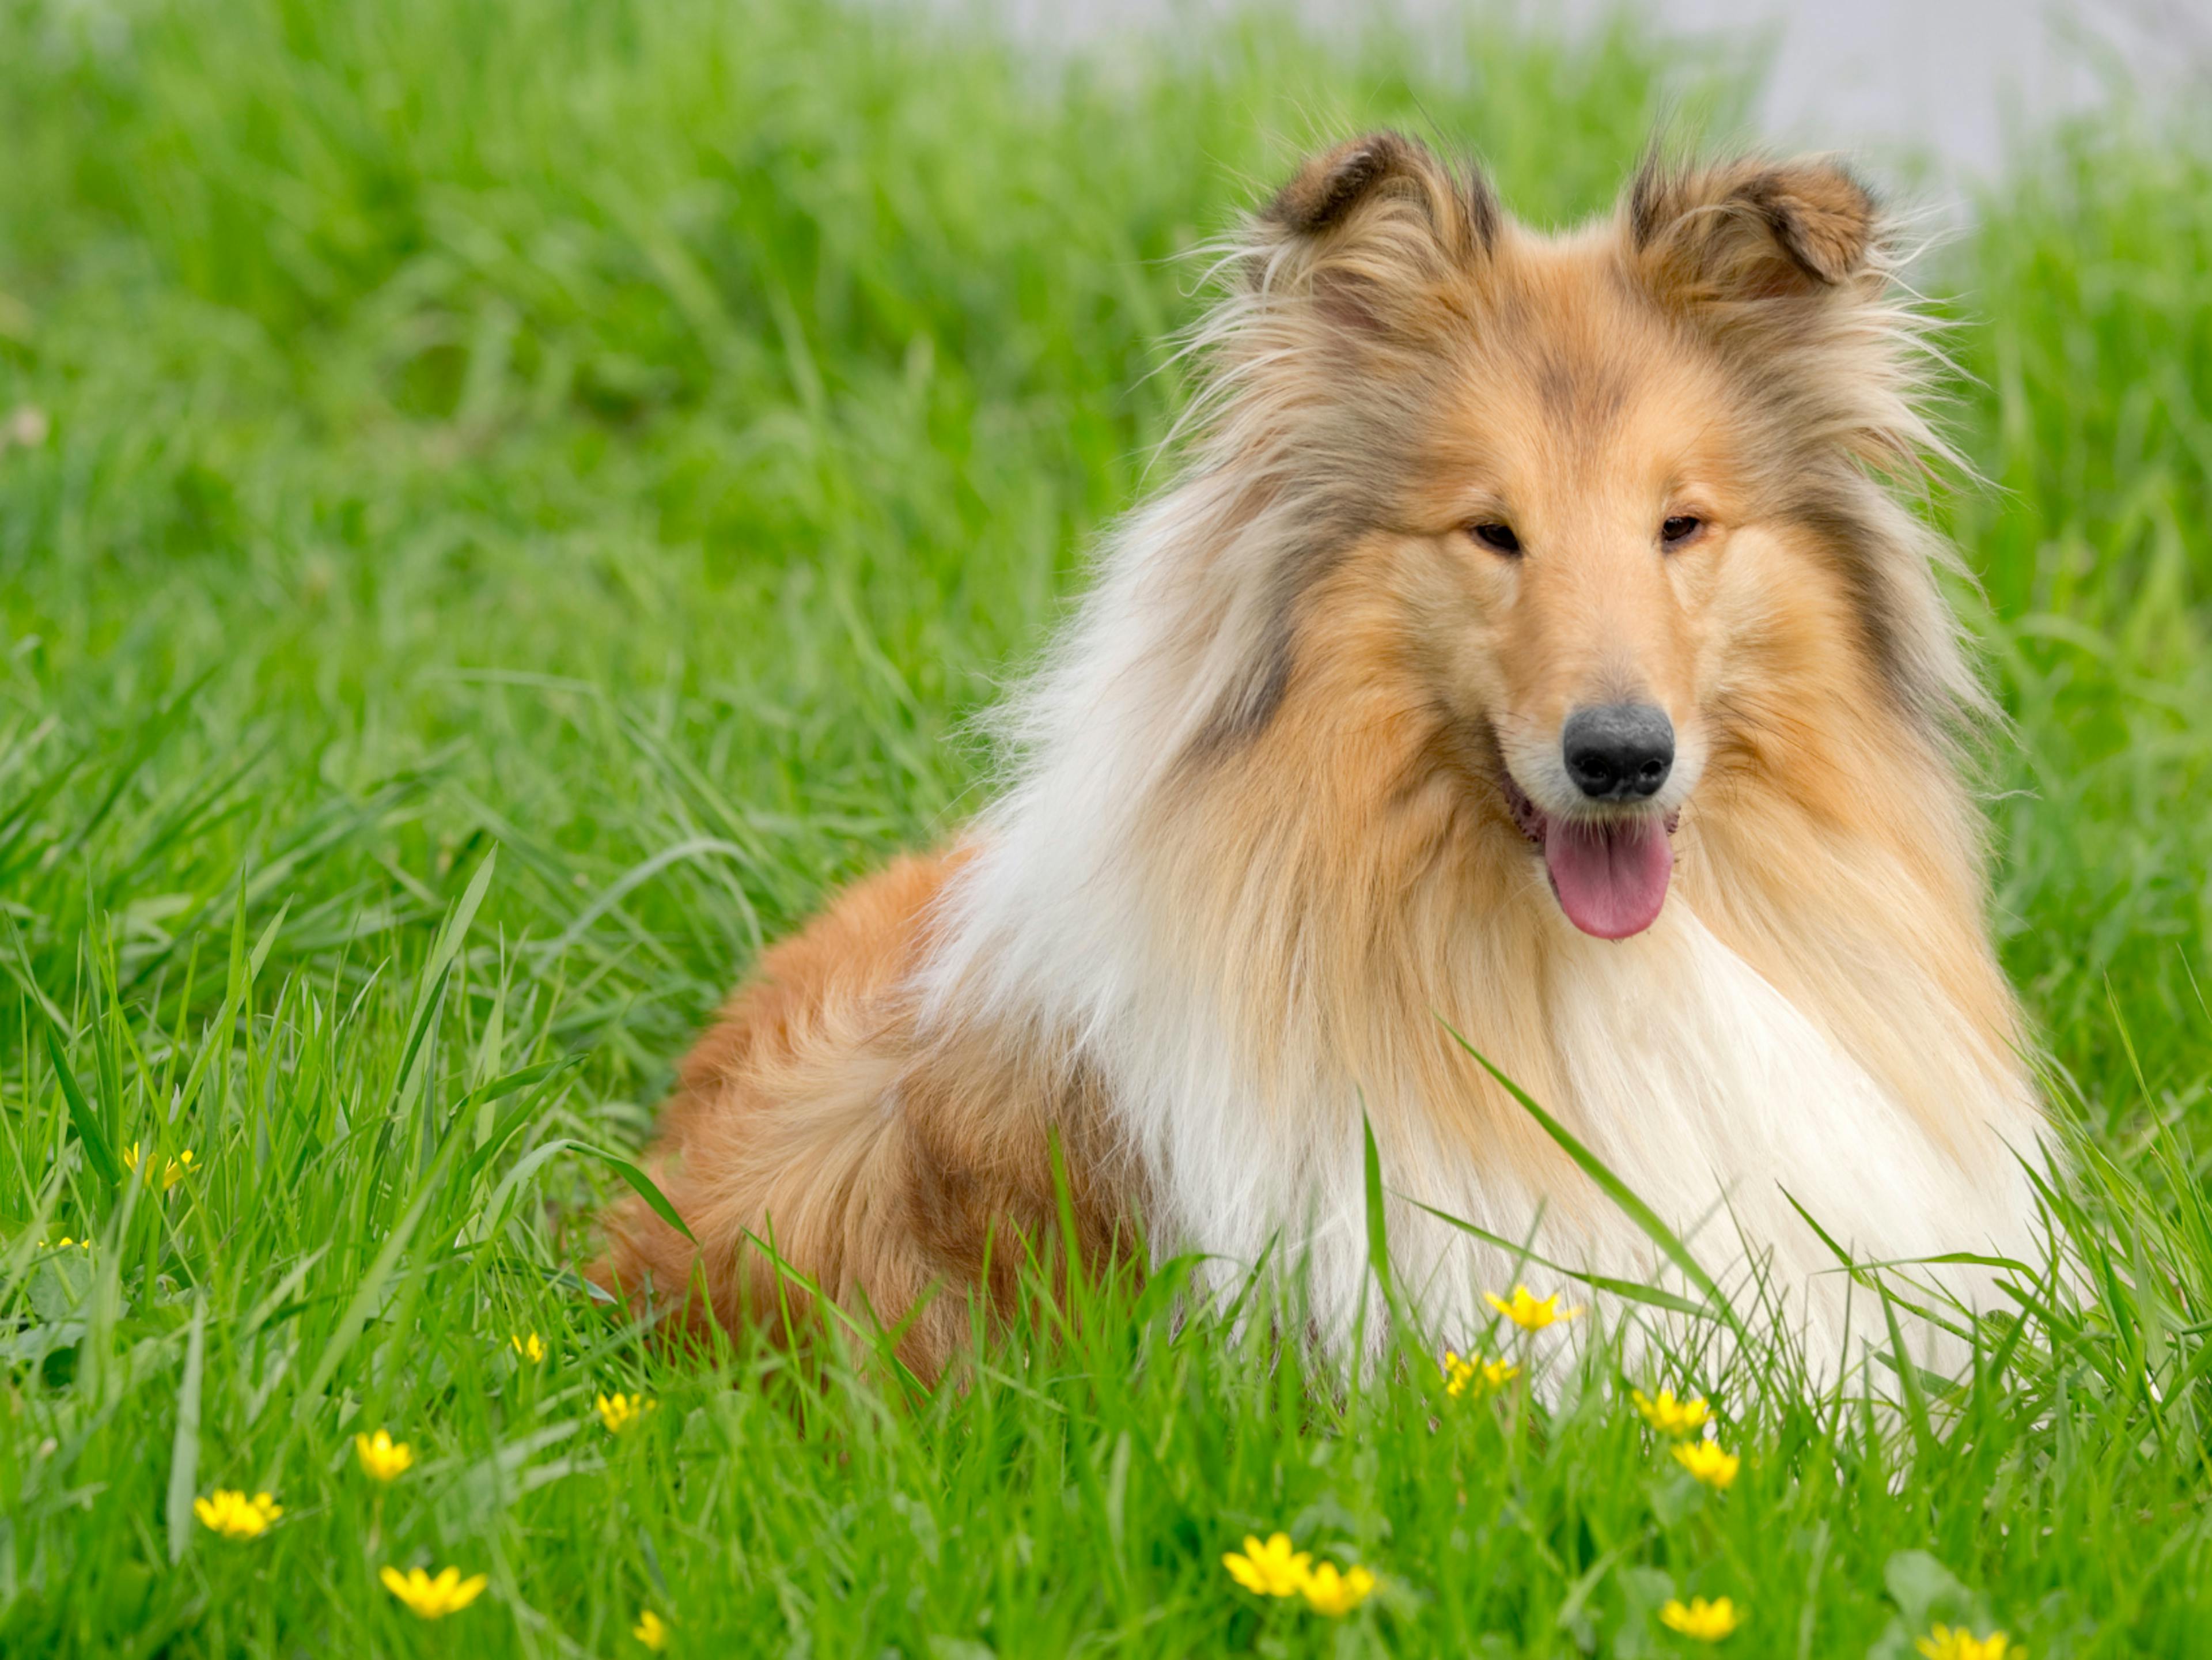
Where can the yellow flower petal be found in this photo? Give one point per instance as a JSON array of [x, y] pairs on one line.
[[383, 1457], [618, 1411], [1327, 1591], [433, 1599], [1273, 1569], [650, 1630], [1669, 1416], [1706, 1622], [1463, 1373], [1458, 1374], [1705, 1460], [233, 1515], [173, 1171], [1943, 1643], [1527, 1311]]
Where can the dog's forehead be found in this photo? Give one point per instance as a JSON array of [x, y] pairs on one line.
[[1567, 315], [1554, 364]]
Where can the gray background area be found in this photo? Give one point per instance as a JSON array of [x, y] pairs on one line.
[[1940, 81]]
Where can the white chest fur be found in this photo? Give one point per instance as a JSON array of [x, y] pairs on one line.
[[1689, 1077]]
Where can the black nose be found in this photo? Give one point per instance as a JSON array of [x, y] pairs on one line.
[[1618, 751]]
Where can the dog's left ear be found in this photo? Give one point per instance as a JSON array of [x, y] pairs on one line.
[[1751, 232], [1367, 231]]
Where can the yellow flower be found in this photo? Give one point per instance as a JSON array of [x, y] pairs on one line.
[[1945, 1644], [650, 1630], [433, 1599], [1461, 1374], [1705, 1460], [235, 1516], [172, 1172], [531, 1348], [1269, 1570], [618, 1411], [1708, 1622], [1527, 1311], [66, 1242], [386, 1459], [1332, 1593], [1669, 1416]]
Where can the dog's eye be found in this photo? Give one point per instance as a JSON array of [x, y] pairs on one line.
[[1499, 538], [1677, 531]]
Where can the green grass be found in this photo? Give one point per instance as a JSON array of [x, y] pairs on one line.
[[609, 450]]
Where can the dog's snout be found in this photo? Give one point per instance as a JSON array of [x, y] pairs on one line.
[[1618, 751]]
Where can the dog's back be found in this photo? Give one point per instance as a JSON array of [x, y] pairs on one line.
[[816, 1139]]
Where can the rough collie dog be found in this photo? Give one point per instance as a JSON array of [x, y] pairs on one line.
[[1528, 647]]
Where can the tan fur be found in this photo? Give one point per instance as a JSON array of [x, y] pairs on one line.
[[809, 1125], [1342, 677]]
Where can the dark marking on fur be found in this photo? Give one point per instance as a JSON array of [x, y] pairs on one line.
[[1312, 511], [1469, 748], [1583, 397], [1649, 188], [1252, 703], [1815, 215], [1858, 549], [1255, 696], [1484, 213], [1327, 189], [982, 1210], [1821, 217]]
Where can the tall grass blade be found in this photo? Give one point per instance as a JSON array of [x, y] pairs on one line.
[[1614, 1188], [81, 1117], [185, 1445]]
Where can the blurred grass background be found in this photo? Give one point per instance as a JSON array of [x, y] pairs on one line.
[[635, 437]]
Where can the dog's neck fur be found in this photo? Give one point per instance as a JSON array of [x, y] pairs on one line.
[[1252, 955]]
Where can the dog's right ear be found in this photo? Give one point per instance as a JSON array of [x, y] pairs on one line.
[[1750, 236], [1364, 228]]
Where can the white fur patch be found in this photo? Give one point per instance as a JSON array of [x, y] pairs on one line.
[[1718, 1100], [1692, 1079]]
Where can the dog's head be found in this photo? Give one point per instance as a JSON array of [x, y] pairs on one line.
[[1612, 489]]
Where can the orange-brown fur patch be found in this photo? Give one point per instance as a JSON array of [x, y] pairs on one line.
[[893, 1174]]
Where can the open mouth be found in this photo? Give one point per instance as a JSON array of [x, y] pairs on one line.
[[1609, 874]]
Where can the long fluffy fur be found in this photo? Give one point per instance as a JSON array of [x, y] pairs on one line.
[[1254, 853]]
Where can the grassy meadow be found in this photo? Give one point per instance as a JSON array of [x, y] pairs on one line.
[[503, 507]]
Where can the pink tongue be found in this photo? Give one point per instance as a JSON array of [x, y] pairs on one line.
[[1611, 877]]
